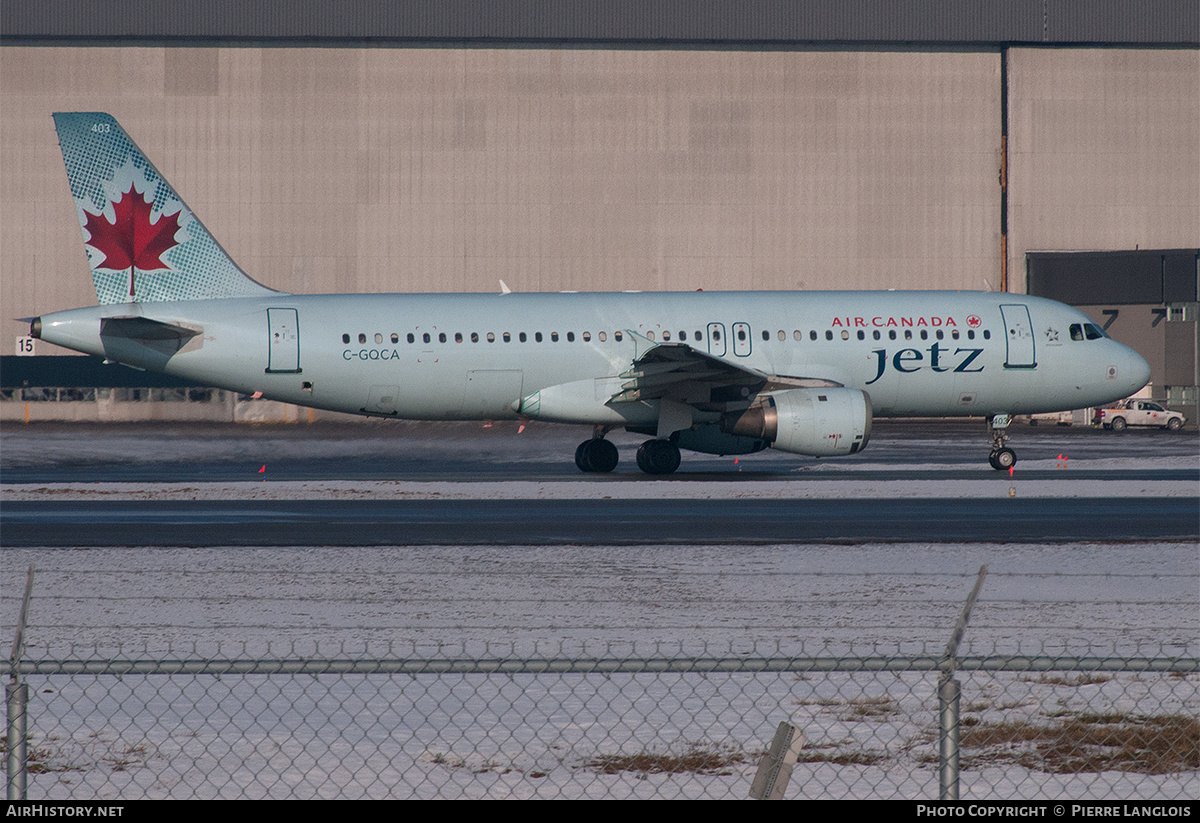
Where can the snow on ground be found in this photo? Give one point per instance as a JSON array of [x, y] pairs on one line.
[[870, 734]]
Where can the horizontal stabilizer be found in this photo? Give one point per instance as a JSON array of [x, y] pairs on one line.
[[145, 330]]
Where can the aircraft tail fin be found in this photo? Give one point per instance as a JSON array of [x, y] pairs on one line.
[[143, 243]]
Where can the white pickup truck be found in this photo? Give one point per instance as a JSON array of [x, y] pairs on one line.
[[1135, 412]]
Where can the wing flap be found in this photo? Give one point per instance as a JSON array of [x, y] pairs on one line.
[[679, 372]]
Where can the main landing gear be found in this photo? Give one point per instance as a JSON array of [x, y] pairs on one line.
[[658, 457], [596, 455], [653, 457], [1002, 457]]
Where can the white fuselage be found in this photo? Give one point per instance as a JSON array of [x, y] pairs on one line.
[[476, 356]]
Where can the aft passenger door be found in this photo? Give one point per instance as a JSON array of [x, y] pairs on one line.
[[283, 350]]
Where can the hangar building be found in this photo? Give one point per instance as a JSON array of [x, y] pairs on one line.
[[444, 145]]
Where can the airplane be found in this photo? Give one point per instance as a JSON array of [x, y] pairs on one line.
[[727, 373]]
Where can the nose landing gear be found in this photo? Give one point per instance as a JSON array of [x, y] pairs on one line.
[[1002, 457]]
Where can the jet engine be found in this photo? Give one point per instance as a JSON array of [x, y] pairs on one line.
[[817, 422]]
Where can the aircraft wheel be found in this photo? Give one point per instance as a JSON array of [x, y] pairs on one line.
[[581, 456], [658, 457], [1002, 459], [602, 455], [596, 456], [1118, 424]]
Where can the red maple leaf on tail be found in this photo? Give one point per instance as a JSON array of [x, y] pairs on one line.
[[132, 240]]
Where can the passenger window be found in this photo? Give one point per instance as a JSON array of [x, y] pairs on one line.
[[862, 335], [617, 336], [603, 336], [716, 335], [987, 335], [411, 338], [682, 335], [650, 335], [491, 337], [876, 334], [939, 334], [891, 334], [362, 338], [828, 335], [742, 335], [345, 338], [924, 334], [766, 335], [458, 337], [570, 337], [537, 337], [474, 337], [553, 337], [378, 338], [395, 337], [970, 334], [812, 335], [442, 337], [425, 337], [587, 337], [522, 337], [954, 334], [845, 334], [507, 337], [797, 336], [666, 335], [908, 334]]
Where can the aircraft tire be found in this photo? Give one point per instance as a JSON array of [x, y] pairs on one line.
[[658, 457], [1003, 459], [596, 456], [602, 456], [581, 456]]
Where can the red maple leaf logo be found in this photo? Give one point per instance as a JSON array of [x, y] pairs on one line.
[[132, 240]]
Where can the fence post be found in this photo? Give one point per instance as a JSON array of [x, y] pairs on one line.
[[949, 692], [16, 700]]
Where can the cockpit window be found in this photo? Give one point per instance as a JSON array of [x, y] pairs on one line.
[[1088, 331]]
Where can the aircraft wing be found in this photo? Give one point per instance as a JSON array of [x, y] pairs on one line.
[[677, 371]]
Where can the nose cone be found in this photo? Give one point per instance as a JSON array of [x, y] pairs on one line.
[[1134, 373]]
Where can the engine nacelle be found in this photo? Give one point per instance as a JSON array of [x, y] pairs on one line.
[[817, 422]]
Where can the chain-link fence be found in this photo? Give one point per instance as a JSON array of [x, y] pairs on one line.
[[1030, 727], [318, 702]]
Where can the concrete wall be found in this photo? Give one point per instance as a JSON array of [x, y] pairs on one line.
[[446, 170], [1104, 150]]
